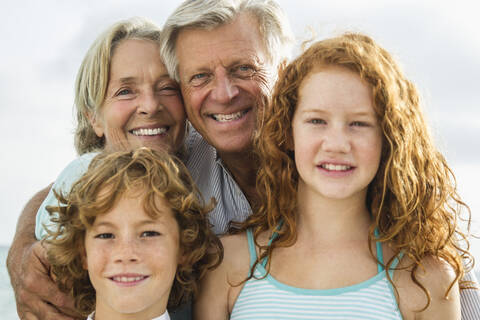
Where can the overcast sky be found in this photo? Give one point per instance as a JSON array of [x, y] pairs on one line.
[[43, 42]]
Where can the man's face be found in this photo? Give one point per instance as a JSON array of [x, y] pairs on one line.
[[224, 76]]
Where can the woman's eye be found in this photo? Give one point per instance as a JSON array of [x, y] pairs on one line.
[[105, 236], [168, 90], [150, 234], [124, 92]]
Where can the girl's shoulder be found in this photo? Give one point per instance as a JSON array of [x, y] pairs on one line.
[[220, 286], [241, 248], [236, 253], [436, 276]]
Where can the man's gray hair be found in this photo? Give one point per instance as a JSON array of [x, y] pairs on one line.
[[209, 14]]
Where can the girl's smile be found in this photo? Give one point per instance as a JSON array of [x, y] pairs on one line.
[[336, 136]]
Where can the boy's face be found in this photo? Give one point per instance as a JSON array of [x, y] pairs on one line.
[[132, 259]]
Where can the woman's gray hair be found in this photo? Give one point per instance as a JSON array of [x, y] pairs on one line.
[[209, 14], [93, 76]]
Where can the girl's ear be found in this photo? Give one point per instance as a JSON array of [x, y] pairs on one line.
[[96, 123], [289, 142]]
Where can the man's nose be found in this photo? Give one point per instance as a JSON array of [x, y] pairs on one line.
[[224, 90]]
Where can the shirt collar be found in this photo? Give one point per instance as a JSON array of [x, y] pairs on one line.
[[164, 316]]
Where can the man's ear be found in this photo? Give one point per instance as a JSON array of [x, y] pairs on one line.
[[96, 123]]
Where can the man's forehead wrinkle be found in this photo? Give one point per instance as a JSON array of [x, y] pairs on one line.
[[227, 60]]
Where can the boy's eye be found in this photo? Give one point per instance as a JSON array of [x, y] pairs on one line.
[[150, 234], [105, 236]]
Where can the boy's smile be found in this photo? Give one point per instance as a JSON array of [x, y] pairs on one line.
[[132, 258]]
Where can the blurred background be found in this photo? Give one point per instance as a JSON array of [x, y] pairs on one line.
[[43, 42]]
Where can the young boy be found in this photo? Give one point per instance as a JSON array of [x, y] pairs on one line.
[[131, 237]]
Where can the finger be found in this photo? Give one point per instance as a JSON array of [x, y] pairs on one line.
[[39, 310], [48, 291], [47, 312], [28, 316], [40, 252]]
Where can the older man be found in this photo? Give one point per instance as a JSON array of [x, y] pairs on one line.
[[225, 55]]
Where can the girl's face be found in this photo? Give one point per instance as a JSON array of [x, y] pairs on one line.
[[142, 106], [336, 135], [132, 259]]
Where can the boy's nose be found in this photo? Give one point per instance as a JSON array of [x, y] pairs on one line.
[[126, 251]]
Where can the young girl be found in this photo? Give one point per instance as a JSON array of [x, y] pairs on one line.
[[359, 210], [131, 237]]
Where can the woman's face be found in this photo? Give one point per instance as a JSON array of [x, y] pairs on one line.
[[143, 106]]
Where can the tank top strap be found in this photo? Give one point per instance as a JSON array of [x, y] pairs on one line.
[[379, 252], [380, 265], [396, 261], [272, 238], [251, 247]]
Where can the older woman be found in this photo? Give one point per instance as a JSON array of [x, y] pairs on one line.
[[124, 99]]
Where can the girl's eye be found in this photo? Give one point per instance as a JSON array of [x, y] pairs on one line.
[[317, 121], [105, 236], [150, 234]]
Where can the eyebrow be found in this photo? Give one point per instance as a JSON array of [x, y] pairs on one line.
[[140, 223], [357, 113], [134, 79]]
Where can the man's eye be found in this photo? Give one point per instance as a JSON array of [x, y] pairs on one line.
[[244, 71], [105, 236], [150, 234], [199, 79]]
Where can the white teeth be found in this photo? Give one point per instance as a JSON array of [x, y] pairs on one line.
[[228, 117], [149, 132], [335, 167], [127, 279]]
